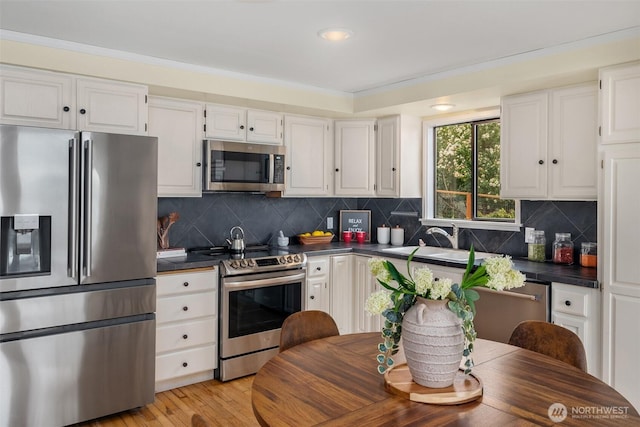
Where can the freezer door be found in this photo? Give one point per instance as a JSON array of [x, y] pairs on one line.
[[77, 375], [36, 180], [119, 207]]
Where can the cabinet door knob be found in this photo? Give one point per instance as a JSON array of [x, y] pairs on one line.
[[318, 268], [337, 170], [554, 161], [185, 364], [198, 164], [241, 126], [185, 336], [288, 168], [567, 303], [65, 109], [83, 111], [541, 162], [185, 308], [393, 169], [312, 297], [185, 284], [251, 129]]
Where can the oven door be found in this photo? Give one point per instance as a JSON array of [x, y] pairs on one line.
[[253, 308]]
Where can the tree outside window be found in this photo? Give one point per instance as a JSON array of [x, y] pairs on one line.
[[468, 172]]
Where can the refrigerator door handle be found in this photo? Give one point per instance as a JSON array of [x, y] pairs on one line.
[[72, 253], [88, 195]]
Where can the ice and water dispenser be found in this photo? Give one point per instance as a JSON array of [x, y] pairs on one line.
[[25, 245]]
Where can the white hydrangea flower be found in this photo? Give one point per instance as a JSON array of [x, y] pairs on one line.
[[441, 288], [424, 280], [378, 302], [498, 265], [378, 269]]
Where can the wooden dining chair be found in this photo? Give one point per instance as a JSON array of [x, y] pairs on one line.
[[304, 326], [198, 421], [551, 340]]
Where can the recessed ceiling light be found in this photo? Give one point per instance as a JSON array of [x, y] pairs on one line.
[[442, 107], [335, 34]]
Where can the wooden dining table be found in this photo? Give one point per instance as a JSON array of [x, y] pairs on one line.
[[334, 382]]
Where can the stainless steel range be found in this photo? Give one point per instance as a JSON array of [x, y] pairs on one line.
[[258, 290]]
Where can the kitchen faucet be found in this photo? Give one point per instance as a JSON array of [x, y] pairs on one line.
[[453, 238]]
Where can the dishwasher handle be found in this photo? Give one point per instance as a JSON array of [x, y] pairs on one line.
[[511, 294]]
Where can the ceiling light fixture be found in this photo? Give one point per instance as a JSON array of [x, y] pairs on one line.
[[443, 107], [335, 34]]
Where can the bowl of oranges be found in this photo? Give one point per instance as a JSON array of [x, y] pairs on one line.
[[315, 237]]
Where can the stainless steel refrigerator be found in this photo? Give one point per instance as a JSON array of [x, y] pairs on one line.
[[77, 265]]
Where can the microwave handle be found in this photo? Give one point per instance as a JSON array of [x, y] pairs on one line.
[[270, 168]]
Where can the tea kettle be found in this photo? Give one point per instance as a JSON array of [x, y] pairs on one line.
[[237, 242]]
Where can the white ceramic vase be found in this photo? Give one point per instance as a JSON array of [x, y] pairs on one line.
[[433, 342]]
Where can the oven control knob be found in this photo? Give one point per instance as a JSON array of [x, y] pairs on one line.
[[234, 264], [289, 259], [296, 258], [282, 260], [243, 263]]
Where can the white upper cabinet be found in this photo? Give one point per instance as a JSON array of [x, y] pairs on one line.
[[523, 146], [56, 100], [179, 127], [549, 144], [399, 157], [107, 106], [620, 103], [37, 98], [573, 143], [228, 123], [354, 162], [308, 158]]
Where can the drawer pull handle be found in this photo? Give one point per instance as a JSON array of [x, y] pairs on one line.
[[185, 336], [185, 364], [318, 268], [185, 284], [185, 308], [567, 303]]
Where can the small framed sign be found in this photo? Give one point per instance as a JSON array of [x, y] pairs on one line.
[[355, 221]]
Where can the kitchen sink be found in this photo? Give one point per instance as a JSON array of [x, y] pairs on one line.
[[455, 255]]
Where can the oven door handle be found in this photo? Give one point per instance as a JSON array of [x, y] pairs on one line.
[[261, 283]]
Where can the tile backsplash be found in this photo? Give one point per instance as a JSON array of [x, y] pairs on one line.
[[206, 221]]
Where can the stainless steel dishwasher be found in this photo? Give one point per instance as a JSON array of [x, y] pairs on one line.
[[498, 313]]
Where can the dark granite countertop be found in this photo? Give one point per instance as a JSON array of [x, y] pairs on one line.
[[547, 272]]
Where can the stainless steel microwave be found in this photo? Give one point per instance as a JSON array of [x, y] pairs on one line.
[[238, 166]]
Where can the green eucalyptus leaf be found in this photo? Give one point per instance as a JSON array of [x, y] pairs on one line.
[[382, 369], [380, 358], [382, 348]]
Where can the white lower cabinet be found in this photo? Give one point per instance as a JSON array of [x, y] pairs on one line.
[[578, 309], [342, 292], [318, 290], [186, 327], [365, 284], [330, 288]]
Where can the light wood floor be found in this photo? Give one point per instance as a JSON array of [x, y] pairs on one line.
[[221, 404]]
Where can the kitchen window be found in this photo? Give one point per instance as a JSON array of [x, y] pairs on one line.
[[462, 169]]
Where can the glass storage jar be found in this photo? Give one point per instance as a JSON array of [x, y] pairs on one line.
[[563, 249], [535, 250], [589, 254]]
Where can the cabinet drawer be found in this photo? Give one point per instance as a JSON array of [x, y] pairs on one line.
[[186, 334], [317, 267], [186, 362], [185, 307], [570, 302], [167, 284]]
